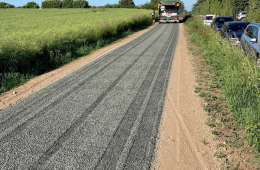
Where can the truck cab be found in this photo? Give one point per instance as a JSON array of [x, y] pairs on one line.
[[168, 11]]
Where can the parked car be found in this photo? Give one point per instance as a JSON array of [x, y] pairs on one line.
[[241, 15], [219, 21], [250, 40], [233, 31], [208, 19]]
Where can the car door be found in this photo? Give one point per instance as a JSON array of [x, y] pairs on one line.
[[246, 37], [254, 45], [223, 31]]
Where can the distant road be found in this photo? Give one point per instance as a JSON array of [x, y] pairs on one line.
[[105, 115]]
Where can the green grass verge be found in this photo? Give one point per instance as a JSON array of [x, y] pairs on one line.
[[36, 41], [235, 73]]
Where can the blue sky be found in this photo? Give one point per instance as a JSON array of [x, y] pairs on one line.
[[188, 3]]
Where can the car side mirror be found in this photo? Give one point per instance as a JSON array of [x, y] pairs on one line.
[[253, 40]]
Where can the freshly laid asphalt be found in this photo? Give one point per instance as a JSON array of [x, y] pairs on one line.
[[105, 115]]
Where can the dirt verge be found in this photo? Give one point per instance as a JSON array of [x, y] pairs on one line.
[[183, 133]]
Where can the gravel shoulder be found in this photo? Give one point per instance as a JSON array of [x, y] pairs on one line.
[[183, 127]]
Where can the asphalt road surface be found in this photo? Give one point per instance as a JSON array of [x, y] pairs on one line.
[[104, 115]]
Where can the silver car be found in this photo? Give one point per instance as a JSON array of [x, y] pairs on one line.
[[241, 15], [250, 40]]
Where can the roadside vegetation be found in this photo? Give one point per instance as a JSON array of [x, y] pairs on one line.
[[228, 7], [229, 83], [36, 41]]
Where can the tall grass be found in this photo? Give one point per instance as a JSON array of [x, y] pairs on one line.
[[235, 73], [35, 41]]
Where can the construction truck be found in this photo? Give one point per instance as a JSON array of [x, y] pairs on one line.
[[168, 11]]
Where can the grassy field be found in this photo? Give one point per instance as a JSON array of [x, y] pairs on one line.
[[235, 73], [34, 41]]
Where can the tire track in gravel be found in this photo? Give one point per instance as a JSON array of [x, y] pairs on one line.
[[141, 153], [14, 119], [53, 128], [110, 157], [66, 135], [63, 86]]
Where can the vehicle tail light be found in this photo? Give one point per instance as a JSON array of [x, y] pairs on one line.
[[238, 15], [176, 16]]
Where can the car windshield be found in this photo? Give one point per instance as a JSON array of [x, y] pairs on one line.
[[223, 20], [209, 17], [237, 28]]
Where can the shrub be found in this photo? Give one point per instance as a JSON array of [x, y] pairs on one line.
[[6, 5], [31, 5]]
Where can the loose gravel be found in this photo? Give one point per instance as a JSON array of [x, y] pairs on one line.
[[104, 115]]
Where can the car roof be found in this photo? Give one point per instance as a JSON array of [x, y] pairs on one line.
[[223, 17], [253, 23], [237, 22], [209, 15]]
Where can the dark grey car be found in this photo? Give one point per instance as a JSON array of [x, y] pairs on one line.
[[218, 22], [233, 31], [250, 39]]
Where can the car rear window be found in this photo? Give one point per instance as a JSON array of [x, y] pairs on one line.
[[236, 28], [209, 17]]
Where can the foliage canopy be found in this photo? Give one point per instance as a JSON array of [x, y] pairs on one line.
[[6, 5], [65, 4], [31, 5], [126, 3], [228, 7]]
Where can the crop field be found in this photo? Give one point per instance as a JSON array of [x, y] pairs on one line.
[[33, 41]]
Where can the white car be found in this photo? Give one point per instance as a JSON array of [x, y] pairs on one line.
[[208, 19]]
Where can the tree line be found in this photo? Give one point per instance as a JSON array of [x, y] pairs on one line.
[[28, 5], [153, 4], [65, 4], [228, 7], [51, 4]]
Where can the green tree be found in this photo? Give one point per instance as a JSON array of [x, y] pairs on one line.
[[80, 4], [6, 5], [126, 4], [31, 5], [253, 14], [51, 4], [182, 7], [238, 6], [222, 7], [112, 6], [153, 4], [67, 4], [146, 6]]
